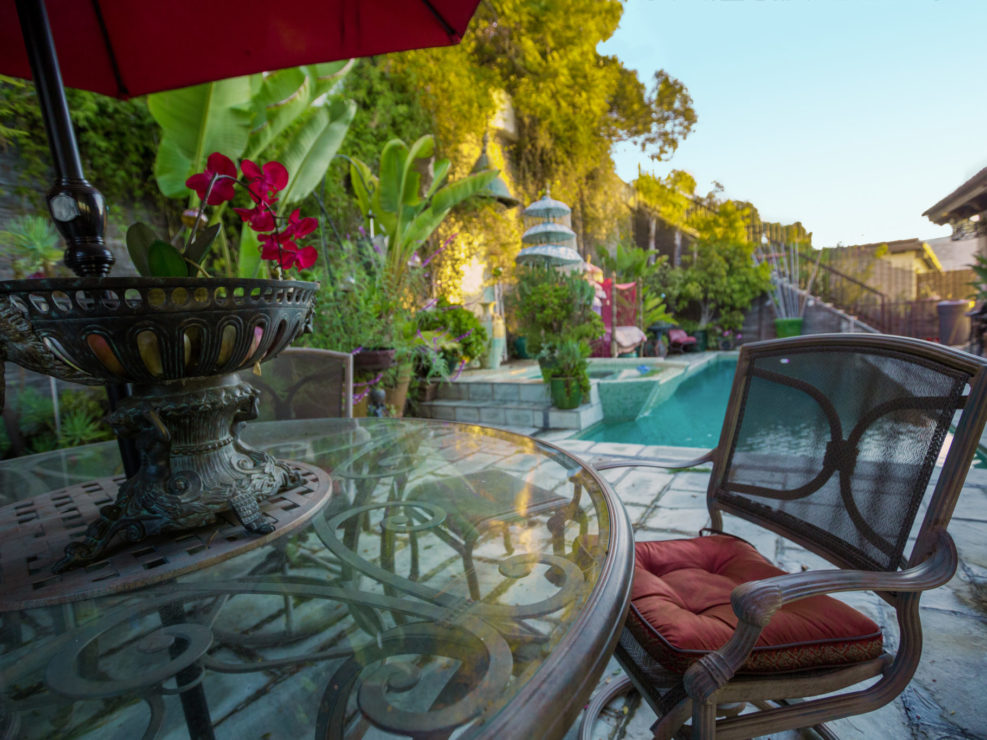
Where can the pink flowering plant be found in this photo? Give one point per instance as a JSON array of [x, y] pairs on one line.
[[280, 238]]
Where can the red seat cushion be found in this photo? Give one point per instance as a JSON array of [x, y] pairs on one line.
[[680, 610]]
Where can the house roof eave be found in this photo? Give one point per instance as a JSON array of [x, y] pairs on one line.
[[967, 200]]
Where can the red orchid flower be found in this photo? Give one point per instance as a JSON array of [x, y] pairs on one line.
[[300, 227], [264, 183], [259, 218], [287, 254], [222, 190], [306, 257]]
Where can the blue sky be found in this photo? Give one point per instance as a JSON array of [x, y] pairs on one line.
[[852, 116]]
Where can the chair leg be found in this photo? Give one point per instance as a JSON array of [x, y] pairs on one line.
[[704, 720]]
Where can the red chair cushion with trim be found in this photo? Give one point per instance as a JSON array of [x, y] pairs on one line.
[[680, 610]]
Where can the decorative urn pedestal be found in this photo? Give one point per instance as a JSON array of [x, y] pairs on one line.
[[178, 343]]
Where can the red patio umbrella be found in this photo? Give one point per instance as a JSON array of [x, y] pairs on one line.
[[131, 47]]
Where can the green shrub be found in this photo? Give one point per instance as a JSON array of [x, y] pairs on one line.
[[551, 307], [460, 325]]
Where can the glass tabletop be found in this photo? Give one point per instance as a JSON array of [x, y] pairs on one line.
[[459, 581]]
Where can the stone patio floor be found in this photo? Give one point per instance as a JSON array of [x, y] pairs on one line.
[[942, 700]]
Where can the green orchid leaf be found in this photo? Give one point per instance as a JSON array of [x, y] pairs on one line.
[[248, 262], [139, 238], [197, 121], [166, 261], [203, 240]]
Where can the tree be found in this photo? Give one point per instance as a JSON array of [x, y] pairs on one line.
[[720, 275], [570, 102], [669, 199]]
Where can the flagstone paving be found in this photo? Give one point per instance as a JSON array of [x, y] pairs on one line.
[[945, 697]]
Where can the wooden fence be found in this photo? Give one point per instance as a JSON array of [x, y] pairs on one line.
[[954, 284]]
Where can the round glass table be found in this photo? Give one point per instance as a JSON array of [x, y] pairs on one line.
[[454, 581]]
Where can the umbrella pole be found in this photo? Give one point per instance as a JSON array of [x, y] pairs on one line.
[[77, 208]]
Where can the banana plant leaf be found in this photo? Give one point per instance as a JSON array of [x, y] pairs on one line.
[[195, 122]]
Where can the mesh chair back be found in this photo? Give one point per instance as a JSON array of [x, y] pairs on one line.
[[304, 383], [832, 441]]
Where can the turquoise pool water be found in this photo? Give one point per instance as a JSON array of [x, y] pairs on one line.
[[690, 417], [693, 415]]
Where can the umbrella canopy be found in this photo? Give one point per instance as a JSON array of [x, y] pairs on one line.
[[132, 47], [549, 233], [548, 254], [548, 208], [127, 47]]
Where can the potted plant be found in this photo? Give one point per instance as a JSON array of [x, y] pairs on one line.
[[395, 203], [568, 376], [791, 283], [460, 325], [379, 279], [33, 246], [431, 366], [551, 307]]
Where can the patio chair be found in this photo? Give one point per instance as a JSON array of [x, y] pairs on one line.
[[718, 634], [678, 340], [303, 383]]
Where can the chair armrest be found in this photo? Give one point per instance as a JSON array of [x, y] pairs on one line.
[[755, 603], [635, 463]]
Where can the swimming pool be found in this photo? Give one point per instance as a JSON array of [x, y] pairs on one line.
[[690, 417]]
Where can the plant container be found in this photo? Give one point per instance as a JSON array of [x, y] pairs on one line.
[[179, 344], [791, 327], [566, 393]]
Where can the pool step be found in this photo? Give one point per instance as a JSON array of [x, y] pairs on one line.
[[509, 403]]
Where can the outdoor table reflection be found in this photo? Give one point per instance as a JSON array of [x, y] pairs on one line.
[[457, 581]]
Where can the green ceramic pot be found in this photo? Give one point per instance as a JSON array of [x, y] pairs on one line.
[[788, 327], [566, 393]]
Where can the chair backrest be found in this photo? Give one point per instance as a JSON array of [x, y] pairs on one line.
[[832, 441], [303, 383]]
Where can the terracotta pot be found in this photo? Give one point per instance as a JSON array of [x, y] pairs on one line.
[[398, 395]]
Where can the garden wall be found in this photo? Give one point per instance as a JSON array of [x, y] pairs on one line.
[[16, 200]]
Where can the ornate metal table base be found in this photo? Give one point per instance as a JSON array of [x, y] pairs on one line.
[[36, 530], [193, 465]]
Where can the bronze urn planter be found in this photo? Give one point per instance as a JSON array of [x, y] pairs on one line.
[[178, 343]]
